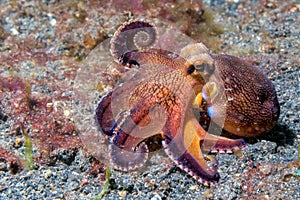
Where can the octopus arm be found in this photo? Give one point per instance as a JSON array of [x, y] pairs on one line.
[[184, 149]]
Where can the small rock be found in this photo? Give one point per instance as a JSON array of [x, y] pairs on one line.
[[265, 169], [122, 193], [67, 113], [53, 22], [48, 173], [14, 31], [18, 143], [3, 166], [156, 197], [194, 187]]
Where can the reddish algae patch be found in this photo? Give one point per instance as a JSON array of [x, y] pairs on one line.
[[42, 118]]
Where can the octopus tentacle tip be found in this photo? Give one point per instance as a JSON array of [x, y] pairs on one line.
[[134, 35]]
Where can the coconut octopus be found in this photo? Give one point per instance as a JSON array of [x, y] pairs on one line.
[[163, 98]]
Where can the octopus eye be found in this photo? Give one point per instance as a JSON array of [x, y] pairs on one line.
[[190, 69]]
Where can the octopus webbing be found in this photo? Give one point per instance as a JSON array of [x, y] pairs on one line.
[[166, 92]]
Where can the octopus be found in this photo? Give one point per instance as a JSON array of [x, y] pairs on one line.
[[165, 95]]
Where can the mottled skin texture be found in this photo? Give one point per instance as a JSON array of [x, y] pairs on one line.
[[161, 99], [252, 106]]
